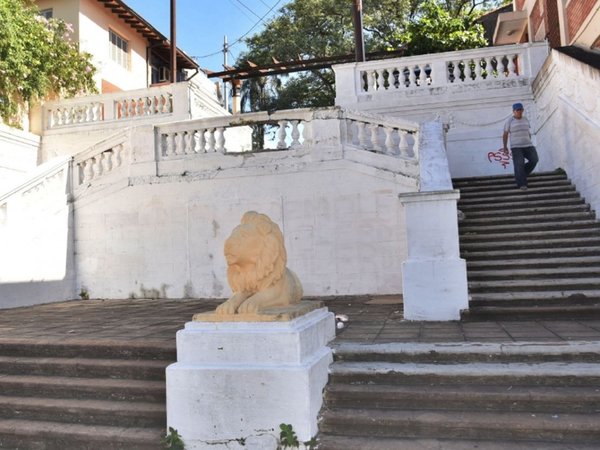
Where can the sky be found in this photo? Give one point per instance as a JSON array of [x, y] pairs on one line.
[[202, 25]]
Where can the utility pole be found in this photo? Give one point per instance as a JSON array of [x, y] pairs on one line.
[[359, 41], [173, 43], [225, 51]]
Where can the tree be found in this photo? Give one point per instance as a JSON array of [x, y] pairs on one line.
[[38, 60], [319, 28]]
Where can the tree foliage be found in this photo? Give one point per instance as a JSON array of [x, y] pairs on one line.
[[38, 60], [319, 28]]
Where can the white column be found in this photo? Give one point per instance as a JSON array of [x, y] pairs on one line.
[[434, 277]]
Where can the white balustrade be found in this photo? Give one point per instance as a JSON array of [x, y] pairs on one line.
[[433, 70], [115, 106], [96, 162], [369, 136]]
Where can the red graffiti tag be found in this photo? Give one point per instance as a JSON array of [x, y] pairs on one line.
[[500, 156]]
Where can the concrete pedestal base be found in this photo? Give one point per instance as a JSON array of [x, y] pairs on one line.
[[234, 383]]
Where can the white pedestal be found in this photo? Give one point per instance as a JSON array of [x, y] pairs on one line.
[[234, 383], [434, 277]]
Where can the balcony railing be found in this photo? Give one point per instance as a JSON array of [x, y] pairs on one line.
[[440, 70]]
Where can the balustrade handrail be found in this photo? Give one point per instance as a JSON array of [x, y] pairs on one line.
[[54, 167], [99, 147], [447, 56]]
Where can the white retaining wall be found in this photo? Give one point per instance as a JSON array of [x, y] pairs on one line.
[[18, 155], [36, 238], [163, 236], [567, 95]]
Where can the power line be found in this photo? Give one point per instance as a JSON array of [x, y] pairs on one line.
[[240, 9], [243, 35]]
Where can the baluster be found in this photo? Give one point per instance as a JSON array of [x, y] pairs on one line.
[[478, 69], [97, 166], [362, 135], [396, 77], [170, 150], [132, 107], [489, 68], [378, 80], [403, 144], [188, 138], [123, 109], [370, 81], [169, 104], [389, 140], [423, 76], [295, 133], [412, 76], [211, 140], [117, 159], [178, 149], [220, 140], [136, 107], [374, 131], [88, 173], [502, 66], [106, 161], [281, 134], [512, 67], [201, 141]]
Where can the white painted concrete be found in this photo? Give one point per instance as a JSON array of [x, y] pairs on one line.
[[434, 276], [236, 380], [567, 95], [36, 238], [18, 155]]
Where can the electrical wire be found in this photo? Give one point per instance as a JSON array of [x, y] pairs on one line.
[[242, 36]]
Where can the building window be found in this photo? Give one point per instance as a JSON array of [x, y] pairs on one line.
[[119, 49], [46, 13]]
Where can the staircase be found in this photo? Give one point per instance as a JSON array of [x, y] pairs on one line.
[[82, 396], [462, 396], [530, 254]]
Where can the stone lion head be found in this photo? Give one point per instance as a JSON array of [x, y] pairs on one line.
[[255, 254]]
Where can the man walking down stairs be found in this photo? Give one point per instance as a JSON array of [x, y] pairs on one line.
[[521, 370]]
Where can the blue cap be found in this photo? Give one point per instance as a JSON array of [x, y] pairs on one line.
[[517, 106]]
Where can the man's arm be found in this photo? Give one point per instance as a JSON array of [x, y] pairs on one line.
[[505, 141]]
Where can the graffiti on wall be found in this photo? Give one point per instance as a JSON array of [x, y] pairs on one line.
[[501, 157]]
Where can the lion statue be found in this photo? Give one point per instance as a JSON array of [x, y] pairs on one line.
[[256, 267]]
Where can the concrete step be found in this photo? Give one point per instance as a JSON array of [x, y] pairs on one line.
[[530, 235], [534, 253], [83, 388], [461, 352], [470, 188], [33, 435], [533, 263], [534, 399], [569, 428], [498, 374], [548, 285], [75, 349], [536, 298], [534, 274], [518, 197], [503, 194], [337, 442], [84, 367], [526, 210], [509, 179], [89, 412], [533, 243], [526, 227], [527, 219], [511, 206]]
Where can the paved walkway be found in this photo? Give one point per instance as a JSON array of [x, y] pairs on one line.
[[370, 320]]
